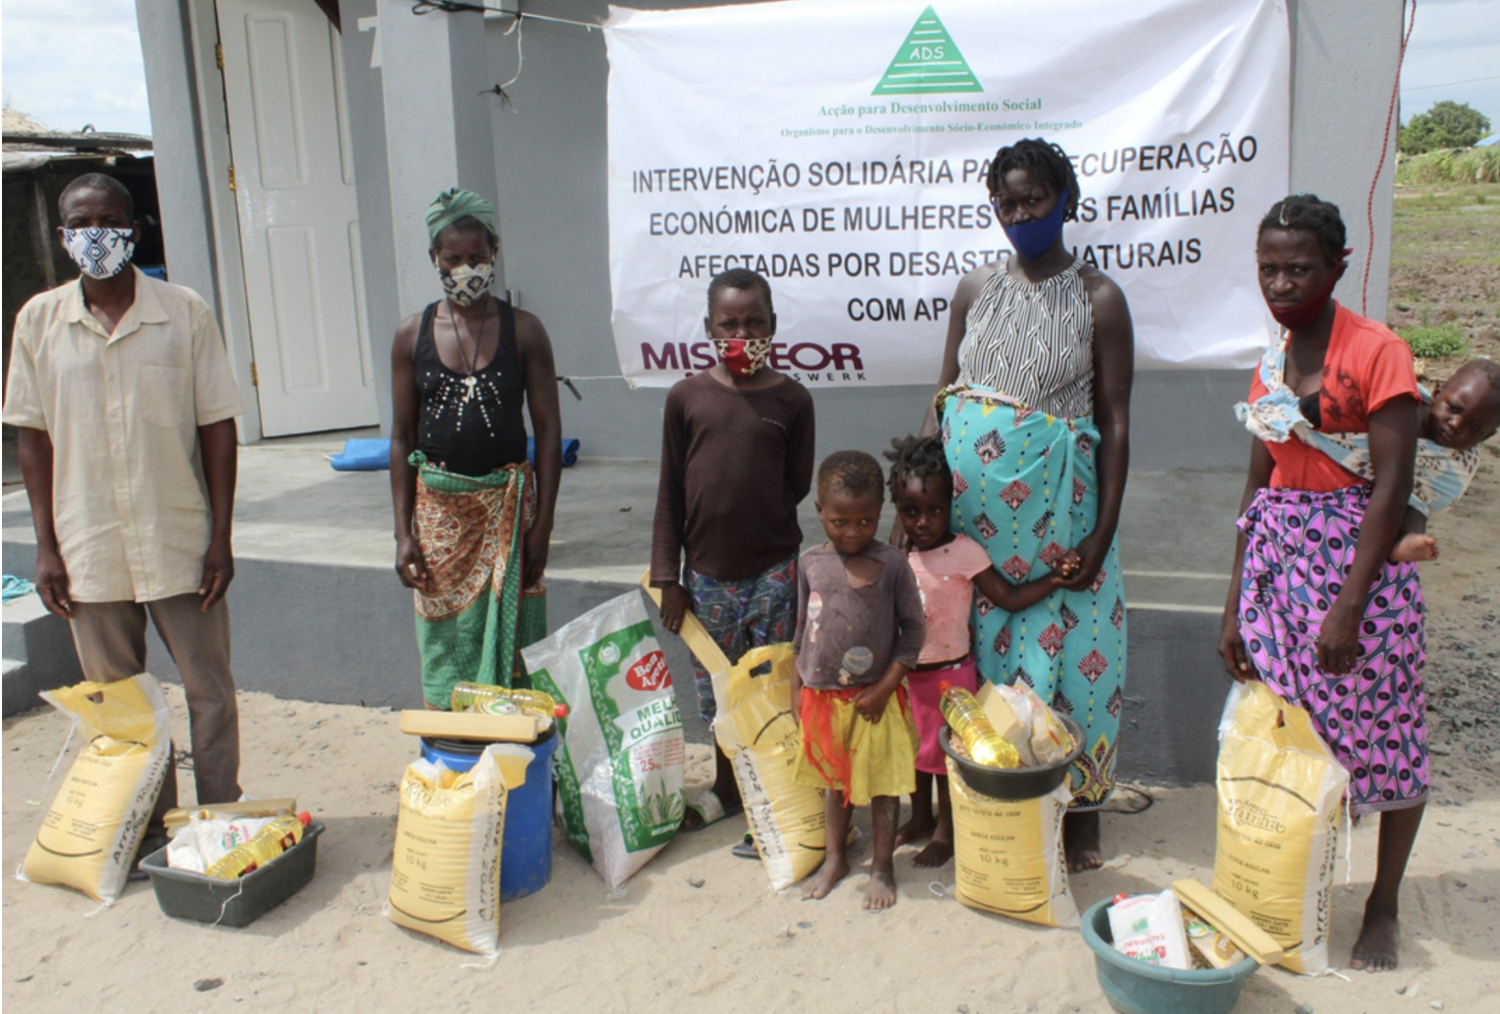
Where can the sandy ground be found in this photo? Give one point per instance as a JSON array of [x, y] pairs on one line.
[[731, 945]]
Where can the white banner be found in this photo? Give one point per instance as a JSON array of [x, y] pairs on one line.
[[839, 147]]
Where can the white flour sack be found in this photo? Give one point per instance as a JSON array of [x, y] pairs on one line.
[[619, 767]]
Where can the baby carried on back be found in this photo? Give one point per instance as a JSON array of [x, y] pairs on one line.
[[1453, 422]]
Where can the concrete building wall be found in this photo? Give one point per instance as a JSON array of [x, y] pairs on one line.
[[550, 156], [191, 145], [171, 69], [372, 182]]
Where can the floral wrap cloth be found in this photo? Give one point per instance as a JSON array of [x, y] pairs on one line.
[[1025, 486], [476, 616]]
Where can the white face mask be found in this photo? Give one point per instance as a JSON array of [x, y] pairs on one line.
[[466, 285], [100, 252]]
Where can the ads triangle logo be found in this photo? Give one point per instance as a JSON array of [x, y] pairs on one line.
[[928, 63]]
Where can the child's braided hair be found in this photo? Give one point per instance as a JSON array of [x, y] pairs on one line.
[[918, 458]]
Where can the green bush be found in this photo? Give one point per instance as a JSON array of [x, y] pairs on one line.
[[1463, 165], [1436, 342], [1478, 165]]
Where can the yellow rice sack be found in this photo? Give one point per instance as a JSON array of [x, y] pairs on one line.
[[754, 726], [1280, 791], [90, 835], [445, 874], [1009, 854]]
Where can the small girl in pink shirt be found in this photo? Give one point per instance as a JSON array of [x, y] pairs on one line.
[[948, 568]]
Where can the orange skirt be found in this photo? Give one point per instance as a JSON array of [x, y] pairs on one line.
[[845, 753]]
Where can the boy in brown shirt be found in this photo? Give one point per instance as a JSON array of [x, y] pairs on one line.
[[736, 460]]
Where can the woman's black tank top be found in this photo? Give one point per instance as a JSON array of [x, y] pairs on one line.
[[471, 425]]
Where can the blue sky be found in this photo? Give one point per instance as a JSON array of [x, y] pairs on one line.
[[72, 62]]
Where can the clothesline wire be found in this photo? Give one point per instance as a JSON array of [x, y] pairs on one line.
[[422, 7], [1450, 84]]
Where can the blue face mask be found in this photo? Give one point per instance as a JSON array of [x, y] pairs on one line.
[[1032, 239]]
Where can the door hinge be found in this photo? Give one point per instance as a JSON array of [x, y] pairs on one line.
[[231, 178], [219, 54], [254, 376]]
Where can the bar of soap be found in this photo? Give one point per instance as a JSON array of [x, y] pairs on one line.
[[1228, 920], [470, 725], [181, 816]]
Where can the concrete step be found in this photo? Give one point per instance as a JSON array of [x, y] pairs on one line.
[[39, 652], [318, 614]]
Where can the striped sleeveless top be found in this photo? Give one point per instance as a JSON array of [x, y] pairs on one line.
[[1033, 343]]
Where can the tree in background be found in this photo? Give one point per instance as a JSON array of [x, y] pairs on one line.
[[1445, 125]]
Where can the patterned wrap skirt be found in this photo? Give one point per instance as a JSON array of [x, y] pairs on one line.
[[1299, 547], [1025, 486], [476, 617]]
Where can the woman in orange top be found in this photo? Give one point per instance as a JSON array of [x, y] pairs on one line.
[[1320, 614]]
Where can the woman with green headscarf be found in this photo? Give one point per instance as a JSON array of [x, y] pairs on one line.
[[473, 519]]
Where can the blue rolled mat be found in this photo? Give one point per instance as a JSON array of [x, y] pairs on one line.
[[373, 455], [362, 456], [569, 451]]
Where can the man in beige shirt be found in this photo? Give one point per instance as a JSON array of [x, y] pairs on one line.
[[122, 391]]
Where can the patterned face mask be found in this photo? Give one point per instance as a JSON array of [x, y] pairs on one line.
[[466, 285], [742, 356], [100, 252]]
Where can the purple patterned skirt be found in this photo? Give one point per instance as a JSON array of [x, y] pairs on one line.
[[1300, 545]]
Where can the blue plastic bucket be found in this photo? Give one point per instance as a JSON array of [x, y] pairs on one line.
[[1134, 987], [526, 845]]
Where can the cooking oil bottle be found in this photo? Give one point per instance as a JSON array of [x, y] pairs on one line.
[[505, 701], [270, 842], [965, 716]]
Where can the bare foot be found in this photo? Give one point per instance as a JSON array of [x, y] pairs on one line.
[[1378, 943], [881, 894], [937, 853], [1414, 549], [1081, 841], [828, 875], [920, 826]]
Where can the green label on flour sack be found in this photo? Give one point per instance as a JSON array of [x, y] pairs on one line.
[[569, 797], [631, 691]]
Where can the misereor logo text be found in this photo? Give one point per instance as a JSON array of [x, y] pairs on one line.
[[928, 63]]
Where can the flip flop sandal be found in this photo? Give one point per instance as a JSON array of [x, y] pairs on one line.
[[710, 810], [746, 848]]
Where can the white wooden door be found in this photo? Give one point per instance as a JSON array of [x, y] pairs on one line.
[[299, 223]]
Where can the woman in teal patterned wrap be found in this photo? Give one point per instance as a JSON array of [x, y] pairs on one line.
[[1034, 413]]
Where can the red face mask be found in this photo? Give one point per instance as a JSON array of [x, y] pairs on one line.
[[1294, 318], [743, 357]]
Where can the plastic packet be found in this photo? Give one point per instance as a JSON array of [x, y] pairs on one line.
[[202, 843], [1213, 946], [1027, 723], [1148, 928]]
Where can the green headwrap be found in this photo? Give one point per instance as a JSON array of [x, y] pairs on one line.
[[451, 205]]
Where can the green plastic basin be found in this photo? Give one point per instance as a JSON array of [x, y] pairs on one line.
[[1134, 987]]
